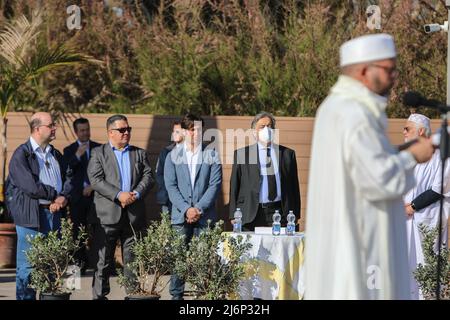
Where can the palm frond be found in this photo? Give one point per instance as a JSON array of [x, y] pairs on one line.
[[17, 37], [48, 59]]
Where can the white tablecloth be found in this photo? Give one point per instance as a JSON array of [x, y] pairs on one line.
[[279, 272]]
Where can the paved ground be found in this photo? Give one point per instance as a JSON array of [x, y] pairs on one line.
[[8, 289]]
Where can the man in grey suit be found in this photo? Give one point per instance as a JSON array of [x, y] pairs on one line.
[[193, 178], [121, 177]]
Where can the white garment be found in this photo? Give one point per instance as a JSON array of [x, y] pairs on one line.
[[355, 227], [428, 176], [193, 161]]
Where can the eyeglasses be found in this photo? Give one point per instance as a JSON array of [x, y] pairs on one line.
[[50, 126], [390, 70], [123, 130]]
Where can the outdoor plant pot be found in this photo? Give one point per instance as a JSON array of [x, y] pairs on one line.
[[142, 297], [55, 296], [8, 243]]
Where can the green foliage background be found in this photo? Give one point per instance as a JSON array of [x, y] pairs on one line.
[[233, 57]]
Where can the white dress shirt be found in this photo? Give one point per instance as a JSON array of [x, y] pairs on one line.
[[193, 158], [264, 192]]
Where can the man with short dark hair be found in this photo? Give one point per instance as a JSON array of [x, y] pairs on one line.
[[162, 198], [38, 188], [193, 177], [121, 178], [77, 156]]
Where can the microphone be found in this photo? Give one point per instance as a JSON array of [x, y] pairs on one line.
[[415, 99]]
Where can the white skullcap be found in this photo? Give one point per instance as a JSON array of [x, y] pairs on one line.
[[420, 119], [372, 47]]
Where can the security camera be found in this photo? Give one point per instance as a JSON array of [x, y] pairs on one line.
[[435, 27]]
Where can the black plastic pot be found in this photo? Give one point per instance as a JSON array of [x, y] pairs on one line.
[[55, 296], [139, 297]]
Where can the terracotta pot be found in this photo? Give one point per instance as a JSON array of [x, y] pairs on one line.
[[8, 245], [55, 296]]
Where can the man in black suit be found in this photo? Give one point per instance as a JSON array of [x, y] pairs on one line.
[[264, 178], [77, 157]]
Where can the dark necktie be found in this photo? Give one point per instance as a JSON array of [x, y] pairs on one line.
[[272, 181], [84, 162]]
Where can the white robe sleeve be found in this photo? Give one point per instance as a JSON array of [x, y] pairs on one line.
[[376, 169]]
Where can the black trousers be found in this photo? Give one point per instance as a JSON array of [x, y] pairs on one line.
[[104, 243], [263, 217], [78, 214]]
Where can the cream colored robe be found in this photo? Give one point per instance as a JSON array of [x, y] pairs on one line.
[[355, 245], [428, 176]]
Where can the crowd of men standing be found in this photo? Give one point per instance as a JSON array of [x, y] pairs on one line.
[[366, 197], [103, 186]]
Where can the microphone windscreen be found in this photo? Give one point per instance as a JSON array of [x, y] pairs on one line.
[[412, 99]]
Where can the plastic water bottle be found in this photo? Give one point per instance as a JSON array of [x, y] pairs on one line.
[[237, 226], [276, 225], [290, 228]]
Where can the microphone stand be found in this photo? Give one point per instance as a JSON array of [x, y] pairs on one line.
[[444, 152]]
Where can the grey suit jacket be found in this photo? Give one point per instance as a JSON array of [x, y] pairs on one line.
[[104, 175], [207, 184]]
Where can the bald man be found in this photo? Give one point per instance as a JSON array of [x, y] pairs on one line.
[[37, 192]]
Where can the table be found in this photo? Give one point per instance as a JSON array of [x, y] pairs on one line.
[[279, 273]]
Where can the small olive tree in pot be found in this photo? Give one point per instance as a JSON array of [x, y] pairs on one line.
[[214, 263], [426, 274], [154, 255], [50, 257]]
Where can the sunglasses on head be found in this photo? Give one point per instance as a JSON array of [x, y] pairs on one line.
[[123, 130]]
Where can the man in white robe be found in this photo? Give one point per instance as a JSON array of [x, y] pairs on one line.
[[355, 223], [422, 203]]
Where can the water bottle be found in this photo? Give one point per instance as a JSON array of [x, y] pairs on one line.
[[237, 226], [276, 225], [290, 229]]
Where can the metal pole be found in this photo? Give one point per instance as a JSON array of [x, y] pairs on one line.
[[447, 5]]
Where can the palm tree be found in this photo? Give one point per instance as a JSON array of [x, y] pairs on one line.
[[22, 62]]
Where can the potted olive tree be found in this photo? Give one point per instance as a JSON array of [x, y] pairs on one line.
[[155, 254], [50, 257], [213, 265], [426, 274]]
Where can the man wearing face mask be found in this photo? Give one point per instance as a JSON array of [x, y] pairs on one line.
[[422, 204], [264, 178]]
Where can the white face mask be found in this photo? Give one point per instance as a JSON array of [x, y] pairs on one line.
[[265, 135]]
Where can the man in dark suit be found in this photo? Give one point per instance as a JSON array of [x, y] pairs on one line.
[[276, 186], [37, 190], [77, 157], [162, 197], [121, 177]]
